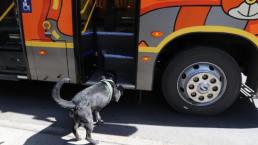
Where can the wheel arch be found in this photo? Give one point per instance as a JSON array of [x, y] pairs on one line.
[[241, 45]]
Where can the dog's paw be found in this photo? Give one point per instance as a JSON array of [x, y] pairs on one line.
[[99, 122], [78, 138], [94, 142]]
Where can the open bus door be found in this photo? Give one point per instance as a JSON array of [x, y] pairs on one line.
[[88, 54]]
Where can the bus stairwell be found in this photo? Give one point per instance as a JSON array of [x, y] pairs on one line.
[[110, 26], [11, 52]]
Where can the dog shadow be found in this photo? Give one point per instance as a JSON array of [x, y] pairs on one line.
[[52, 136], [114, 129], [34, 99]]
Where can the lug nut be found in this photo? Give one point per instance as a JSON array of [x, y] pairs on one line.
[[205, 77], [191, 87], [213, 81], [210, 96], [193, 94], [201, 98], [196, 79], [215, 89]]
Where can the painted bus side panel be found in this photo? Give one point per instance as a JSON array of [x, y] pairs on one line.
[[48, 34], [173, 18]]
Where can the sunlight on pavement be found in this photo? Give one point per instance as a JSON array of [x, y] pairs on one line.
[[31, 134]]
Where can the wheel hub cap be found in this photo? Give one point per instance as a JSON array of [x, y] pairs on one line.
[[203, 88], [202, 84]]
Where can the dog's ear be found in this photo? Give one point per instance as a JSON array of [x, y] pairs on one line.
[[117, 93], [121, 89], [111, 75], [103, 77]]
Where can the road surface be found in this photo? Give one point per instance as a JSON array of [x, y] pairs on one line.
[[29, 116]]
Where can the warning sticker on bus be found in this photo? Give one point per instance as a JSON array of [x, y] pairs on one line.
[[26, 6]]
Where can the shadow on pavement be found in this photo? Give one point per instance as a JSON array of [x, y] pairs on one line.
[[155, 111], [34, 98]]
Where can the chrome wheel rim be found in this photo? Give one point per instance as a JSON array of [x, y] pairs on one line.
[[201, 84]]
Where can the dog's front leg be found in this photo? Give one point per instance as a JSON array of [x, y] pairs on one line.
[[98, 118], [75, 131]]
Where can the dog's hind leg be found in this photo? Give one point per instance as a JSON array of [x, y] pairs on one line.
[[89, 128], [98, 118], [87, 119], [75, 131]]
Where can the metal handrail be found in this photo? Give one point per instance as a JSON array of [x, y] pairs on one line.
[[89, 18], [7, 11], [85, 7]]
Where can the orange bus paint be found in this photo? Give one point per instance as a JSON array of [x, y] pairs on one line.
[[252, 27], [192, 16], [54, 9], [35, 23], [150, 5], [143, 44], [229, 4], [66, 18], [32, 22]]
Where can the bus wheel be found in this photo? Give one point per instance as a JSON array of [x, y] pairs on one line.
[[201, 80]]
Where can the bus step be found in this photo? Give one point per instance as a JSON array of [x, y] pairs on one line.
[[12, 62], [10, 47], [14, 36], [8, 77], [122, 79], [9, 29]]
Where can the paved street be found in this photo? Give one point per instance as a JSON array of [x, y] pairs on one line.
[[29, 116]]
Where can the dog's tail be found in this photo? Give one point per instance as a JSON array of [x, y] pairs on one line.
[[57, 97]]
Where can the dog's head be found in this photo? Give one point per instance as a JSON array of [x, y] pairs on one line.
[[118, 92], [117, 89]]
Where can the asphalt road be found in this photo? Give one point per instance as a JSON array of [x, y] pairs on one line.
[[29, 116]]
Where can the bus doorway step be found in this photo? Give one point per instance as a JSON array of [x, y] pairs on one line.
[[122, 79]]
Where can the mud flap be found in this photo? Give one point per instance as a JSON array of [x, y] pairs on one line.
[[249, 93]]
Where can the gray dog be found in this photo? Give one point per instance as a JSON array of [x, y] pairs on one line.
[[90, 100]]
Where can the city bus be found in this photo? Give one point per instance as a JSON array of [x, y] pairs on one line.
[[196, 51]]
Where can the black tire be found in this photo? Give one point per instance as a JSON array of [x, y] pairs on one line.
[[201, 54]]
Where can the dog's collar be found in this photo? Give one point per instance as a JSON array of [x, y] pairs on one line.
[[109, 80], [109, 86]]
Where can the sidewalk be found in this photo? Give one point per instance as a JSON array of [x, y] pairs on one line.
[[16, 133]]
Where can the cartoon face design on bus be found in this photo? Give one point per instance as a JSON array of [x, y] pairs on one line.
[[241, 9]]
